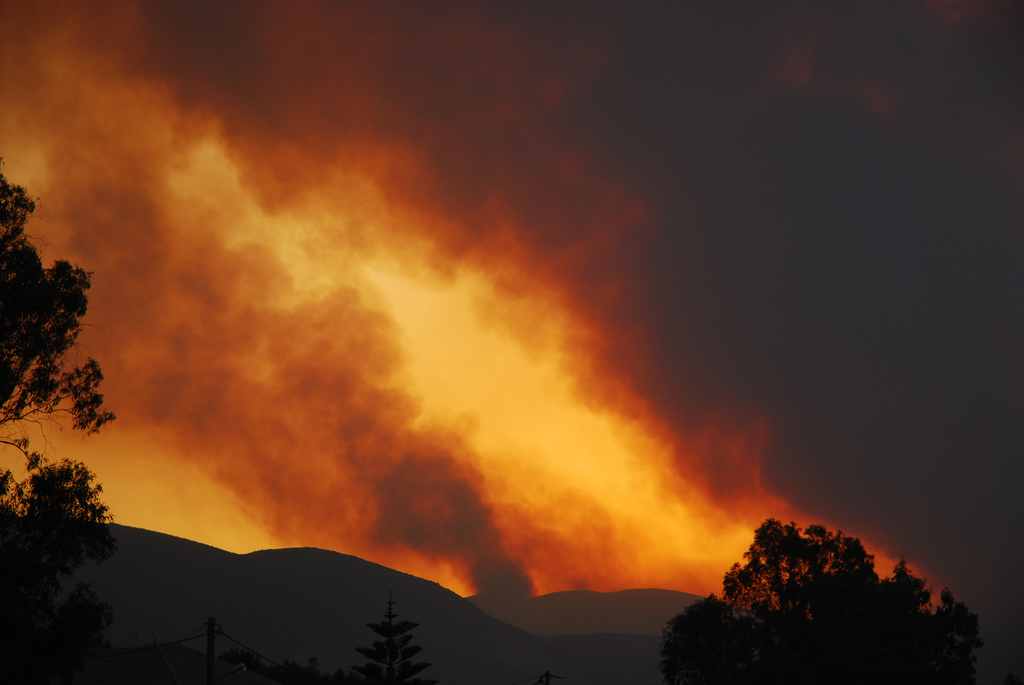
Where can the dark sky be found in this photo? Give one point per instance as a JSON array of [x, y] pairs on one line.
[[839, 249], [786, 239]]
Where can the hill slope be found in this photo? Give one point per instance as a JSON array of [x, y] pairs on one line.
[[298, 603], [585, 612]]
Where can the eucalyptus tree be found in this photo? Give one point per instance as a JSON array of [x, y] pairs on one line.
[[806, 606], [52, 520]]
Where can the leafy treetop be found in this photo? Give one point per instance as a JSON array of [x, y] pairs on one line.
[[289, 671], [53, 521], [50, 524], [808, 607], [40, 312]]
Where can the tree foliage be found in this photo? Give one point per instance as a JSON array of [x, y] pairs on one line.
[[40, 319], [808, 607], [51, 522], [391, 658], [290, 672], [710, 642]]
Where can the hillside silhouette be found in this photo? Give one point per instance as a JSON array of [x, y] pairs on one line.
[[305, 602], [586, 612]]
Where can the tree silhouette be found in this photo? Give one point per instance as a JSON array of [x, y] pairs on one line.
[[40, 312], [808, 607], [290, 672], [391, 658], [52, 521], [710, 642]]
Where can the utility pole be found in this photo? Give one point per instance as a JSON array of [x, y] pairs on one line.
[[211, 627], [546, 678]]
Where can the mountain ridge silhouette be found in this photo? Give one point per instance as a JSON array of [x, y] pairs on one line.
[[306, 602]]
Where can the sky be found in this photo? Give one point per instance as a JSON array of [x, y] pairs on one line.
[[536, 296]]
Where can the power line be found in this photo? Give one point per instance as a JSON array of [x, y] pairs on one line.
[[151, 645], [520, 682], [253, 651], [129, 667], [545, 679], [621, 682]]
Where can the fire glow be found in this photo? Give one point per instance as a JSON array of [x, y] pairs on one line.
[[330, 358]]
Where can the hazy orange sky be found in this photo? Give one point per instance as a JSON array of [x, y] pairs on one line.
[[542, 296]]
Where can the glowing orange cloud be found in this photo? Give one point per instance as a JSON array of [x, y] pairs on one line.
[[336, 307]]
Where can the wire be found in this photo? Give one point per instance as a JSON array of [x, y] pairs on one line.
[[528, 680], [128, 667], [261, 656], [541, 678], [151, 645], [599, 680]]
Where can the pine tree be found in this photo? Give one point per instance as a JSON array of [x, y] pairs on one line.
[[391, 659]]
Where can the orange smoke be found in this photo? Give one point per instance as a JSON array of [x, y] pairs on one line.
[[349, 293]]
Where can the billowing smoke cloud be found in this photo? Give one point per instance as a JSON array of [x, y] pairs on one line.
[[778, 250], [219, 339]]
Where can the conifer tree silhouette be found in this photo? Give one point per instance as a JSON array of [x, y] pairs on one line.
[[391, 659]]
